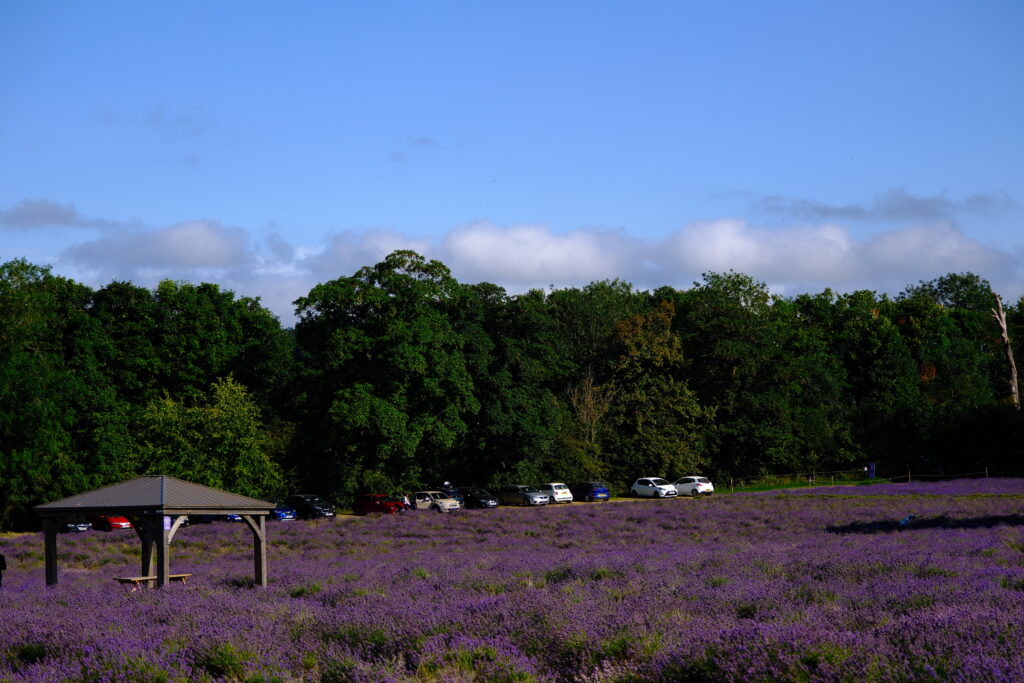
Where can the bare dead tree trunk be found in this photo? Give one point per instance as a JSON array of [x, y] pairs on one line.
[[591, 403], [1000, 317]]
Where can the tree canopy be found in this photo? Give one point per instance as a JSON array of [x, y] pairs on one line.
[[400, 376]]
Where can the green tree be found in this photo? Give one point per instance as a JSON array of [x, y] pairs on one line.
[[44, 388], [657, 421], [775, 389], [392, 392], [216, 440], [508, 358]]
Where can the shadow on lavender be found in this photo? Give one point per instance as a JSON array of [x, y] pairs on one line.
[[940, 522]]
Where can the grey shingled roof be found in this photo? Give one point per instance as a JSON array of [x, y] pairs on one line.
[[155, 494]]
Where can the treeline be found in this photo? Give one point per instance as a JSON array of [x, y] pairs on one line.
[[400, 376]]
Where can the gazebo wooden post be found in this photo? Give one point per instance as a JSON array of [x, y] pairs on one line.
[[160, 532], [50, 549], [257, 523], [145, 535]]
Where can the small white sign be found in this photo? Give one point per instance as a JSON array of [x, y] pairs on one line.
[[167, 522]]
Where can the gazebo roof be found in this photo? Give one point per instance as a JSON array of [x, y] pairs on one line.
[[154, 494]]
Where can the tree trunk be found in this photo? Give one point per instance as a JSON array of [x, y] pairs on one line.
[[1000, 317]]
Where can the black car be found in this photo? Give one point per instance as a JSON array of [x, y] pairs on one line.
[[478, 499], [309, 506], [590, 491]]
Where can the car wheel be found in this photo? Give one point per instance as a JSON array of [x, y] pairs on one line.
[[632, 493], [694, 493], [656, 494]]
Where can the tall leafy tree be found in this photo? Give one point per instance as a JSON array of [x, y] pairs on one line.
[[506, 351], [216, 440], [658, 422], [44, 387], [393, 393]]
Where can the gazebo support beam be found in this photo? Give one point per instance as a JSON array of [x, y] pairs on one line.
[[50, 549], [141, 526], [257, 523]]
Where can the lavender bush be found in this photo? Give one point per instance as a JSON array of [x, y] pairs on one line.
[[819, 586]]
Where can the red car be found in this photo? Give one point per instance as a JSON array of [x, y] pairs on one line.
[[376, 502], [110, 522]]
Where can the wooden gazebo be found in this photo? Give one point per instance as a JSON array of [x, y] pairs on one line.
[[156, 507]]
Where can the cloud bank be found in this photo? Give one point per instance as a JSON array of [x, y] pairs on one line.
[[805, 257], [790, 260]]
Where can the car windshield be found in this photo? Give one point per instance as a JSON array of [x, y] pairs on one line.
[[437, 496], [659, 482], [530, 489], [560, 487], [479, 493]]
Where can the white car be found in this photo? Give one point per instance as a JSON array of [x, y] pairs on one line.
[[557, 492], [434, 500], [653, 487], [694, 486]]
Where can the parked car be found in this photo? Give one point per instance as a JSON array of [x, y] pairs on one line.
[[282, 513], [453, 493], [309, 506], [434, 500], [653, 487], [110, 523], [557, 492], [694, 486], [519, 494], [478, 498], [75, 526], [590, 491], [376, 502]]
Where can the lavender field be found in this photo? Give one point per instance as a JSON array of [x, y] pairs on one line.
[[818, 584]]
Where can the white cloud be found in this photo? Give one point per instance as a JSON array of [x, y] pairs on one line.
[[190, 245], [530, 256], [346, 252]]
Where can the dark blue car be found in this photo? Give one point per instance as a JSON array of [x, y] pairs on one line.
[[590, 491], [282, 513]]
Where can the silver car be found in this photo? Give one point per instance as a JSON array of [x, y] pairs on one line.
[[522, 495]]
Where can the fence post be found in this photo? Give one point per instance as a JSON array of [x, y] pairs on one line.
[[908, 476], [986, 473]]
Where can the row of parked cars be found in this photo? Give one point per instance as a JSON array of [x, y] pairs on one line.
[[449, 498], [446, 498]]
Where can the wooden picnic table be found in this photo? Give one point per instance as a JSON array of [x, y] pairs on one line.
[[137, 581]]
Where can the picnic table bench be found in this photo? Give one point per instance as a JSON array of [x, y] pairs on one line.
[[136, 581]]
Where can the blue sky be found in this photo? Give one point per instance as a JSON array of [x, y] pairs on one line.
[[271, 146]]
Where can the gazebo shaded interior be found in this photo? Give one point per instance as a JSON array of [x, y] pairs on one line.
[[156, 505]]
